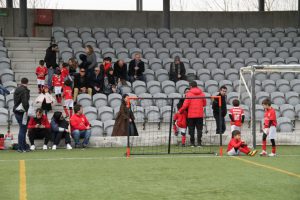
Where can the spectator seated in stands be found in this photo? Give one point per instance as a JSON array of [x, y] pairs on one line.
[[60, 128], [81, 84], [39, 128], [80, 127], [177, 70], [73, 66], [106, 64], [97, 80], [84, 63], [120, 72], [136, 69], [4, 91], [110, 83]]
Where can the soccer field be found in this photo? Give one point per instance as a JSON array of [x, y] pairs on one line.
[[105, 173]]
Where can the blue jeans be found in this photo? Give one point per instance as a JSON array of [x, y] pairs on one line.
[[22, 132], [3, 91], [86, 134], [50, 74]]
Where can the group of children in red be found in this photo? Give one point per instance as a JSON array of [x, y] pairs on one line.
[[236, 145], [62, 87]]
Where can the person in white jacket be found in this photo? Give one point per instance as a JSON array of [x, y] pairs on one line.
[[46, 99]]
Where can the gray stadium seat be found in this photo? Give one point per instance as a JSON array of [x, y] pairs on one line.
[[162, 101], [75, 42], [169, 43], [202, 33], [152, 114], [125, 33], [274, 42], [3, 116], [222, 43], [253, 32], [116, 111], [168, 87], [162, 53], [246, 111], [203, 53], [251, 61], [10, 85], [139, 114], [85, 32], [163, 33], [260, 96], [189, 33], [278, 61], [216, 53], [149, 53], [71, 32], [84, 100], [108, 127], [231, 96], [98, 33], [58, 32], [227, 33], [295, 85], [66, 54], [248, 42], [269, 86], [196, 63], [291, 32], [210, 63], [243, 53], [240, 32], [153, 87], [9, 101], [275, 76], [284, 124], [296, 41], [133, 51], [103, 43], [105, 113], [235, 43], [167, 62], [218, 74], [215, 33], [78, 51], [260, 42], [209, 43], [161, 75], [130, 43], [4, 63], [211, 86], [245, 99], [61, 42], [114, 100], [165, 113], [229, 53], [97, 128], [283, 85], [266, 32], [122, 53], [278, 98], [264, 61], [181, 86], [288, 111], [292, 98], [175, 52], [149, 74], [174, 95], [278, 32], [287, 42], [99, 100], [196, 43], [189, 53], [139, 87], [138, 33], [150, 33], [232, 74], [259, 112], [297, 110], [6, 75], [291, 60], [156, 43], [204, 74], [182, 43], [116, 43], [90, 113], [269, 52], [237, 63], [228, 84], [146, 102], [111, 33], [2, 101], [108, 52], [256, 52], [191, 75], [143, 43]]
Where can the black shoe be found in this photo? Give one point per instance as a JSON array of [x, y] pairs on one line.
[[84, 146]]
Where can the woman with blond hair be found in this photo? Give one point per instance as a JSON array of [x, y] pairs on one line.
[[91, 59]]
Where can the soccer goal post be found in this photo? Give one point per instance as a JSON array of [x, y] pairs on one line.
[[248, 81], [155, 127]]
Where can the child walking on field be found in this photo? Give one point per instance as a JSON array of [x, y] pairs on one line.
[[180, 124], [68, 98], [41, 73]]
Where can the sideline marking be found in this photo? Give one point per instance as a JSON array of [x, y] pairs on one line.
[[22, 171], [268, 167]]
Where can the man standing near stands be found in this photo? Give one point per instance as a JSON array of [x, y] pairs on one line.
[[51, 63], [21, 106], [220, 122], [195, 112]]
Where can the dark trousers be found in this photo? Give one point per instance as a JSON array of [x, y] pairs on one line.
[[22, 132], [57, 136], [140, 78], [39, 133], [220, 123], [192, 124]]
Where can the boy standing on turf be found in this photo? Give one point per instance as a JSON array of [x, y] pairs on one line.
[[41, 73], [68, 98], [269, 129], [57, 84], [236, 115], [237, 145], [180, 124]]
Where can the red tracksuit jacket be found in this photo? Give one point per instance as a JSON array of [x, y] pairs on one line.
[[43, 121]]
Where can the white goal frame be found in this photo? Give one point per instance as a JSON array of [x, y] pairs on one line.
[[294, 68]]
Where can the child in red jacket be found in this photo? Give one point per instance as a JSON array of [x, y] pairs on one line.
[[180, 124], [68, 98], [41, 73], [57, 84], [64, 72], [236, 146]]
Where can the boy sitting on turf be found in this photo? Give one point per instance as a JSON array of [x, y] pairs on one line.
[[236, 146], [236, 115], [180, 124]]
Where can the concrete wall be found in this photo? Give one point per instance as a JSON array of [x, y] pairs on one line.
[[10, 23]]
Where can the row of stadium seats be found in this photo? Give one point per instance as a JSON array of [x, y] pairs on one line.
[[137, 33]]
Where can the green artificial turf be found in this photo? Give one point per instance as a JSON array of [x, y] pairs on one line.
[[105, 173]]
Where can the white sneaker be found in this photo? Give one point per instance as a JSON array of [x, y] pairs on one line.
[[263, 153], [45, 147], [272, 154], [54, 147], [32, 147], [69, 147]]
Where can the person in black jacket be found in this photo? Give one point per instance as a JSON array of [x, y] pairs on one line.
[[20, 109], [220, 122], [81, 84], [177, 70], [60, 128], [136, 69], [97, 80], [50, 59], [120, 71]]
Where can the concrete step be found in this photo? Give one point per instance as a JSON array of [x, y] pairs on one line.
[[30, 75], [26, 49], [26, 54], [23, 66], [28, 39], [32, 44]]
